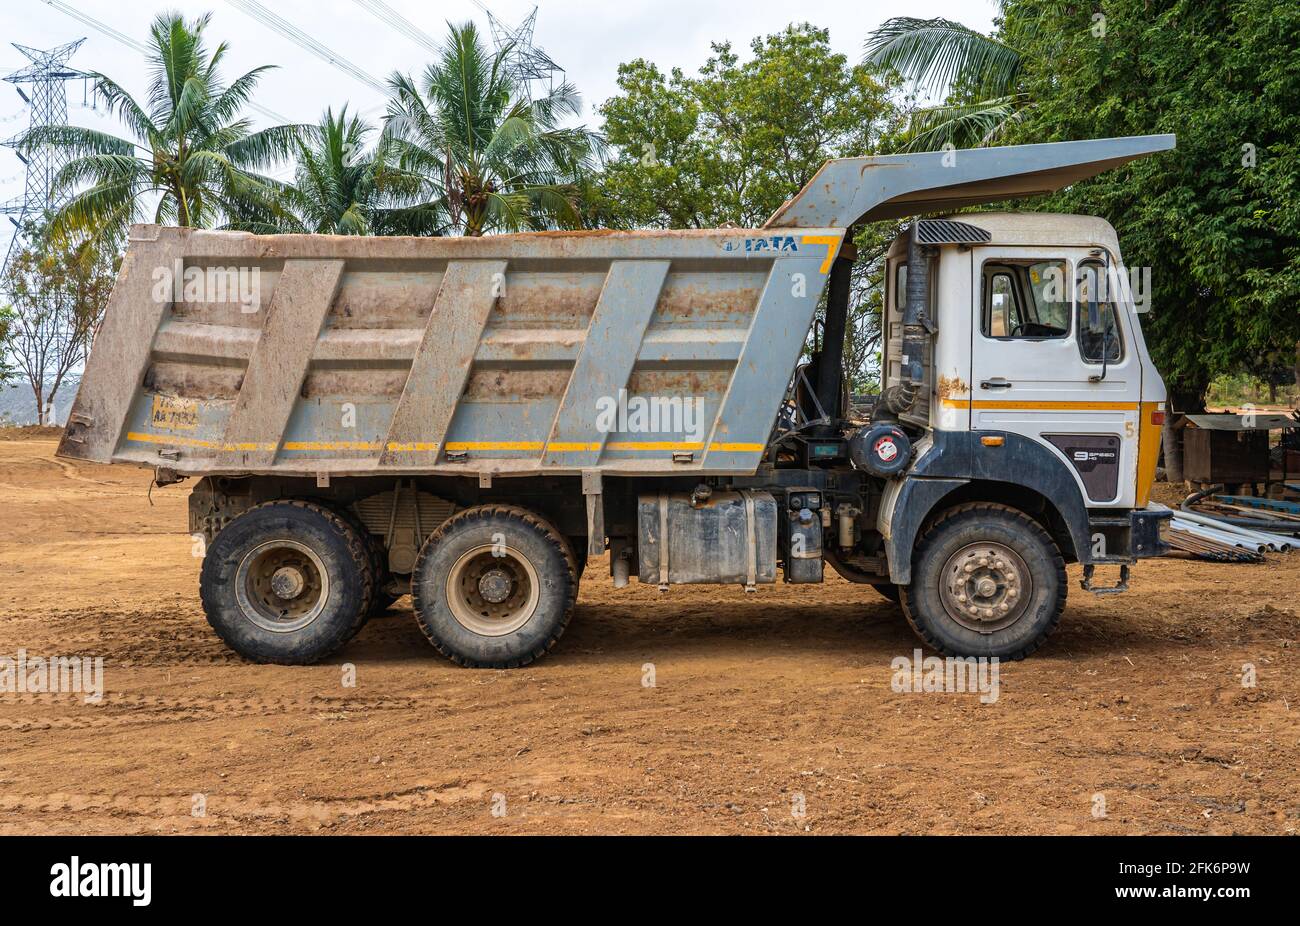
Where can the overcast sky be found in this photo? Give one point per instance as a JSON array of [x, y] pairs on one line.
[[588, 38]]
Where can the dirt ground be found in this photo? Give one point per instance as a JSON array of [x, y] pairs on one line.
[[762, 705]]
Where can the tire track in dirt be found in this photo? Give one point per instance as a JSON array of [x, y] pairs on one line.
[[140, 710], [241, 807]]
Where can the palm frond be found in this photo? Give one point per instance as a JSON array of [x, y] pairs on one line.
[[940, 54], [963, 125]]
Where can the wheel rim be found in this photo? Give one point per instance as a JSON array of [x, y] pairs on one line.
[[282, 586], [986, 587], [492, 590]]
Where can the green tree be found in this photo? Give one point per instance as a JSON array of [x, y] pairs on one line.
[[8, 318], [733, 143], [490, 159], [59, 293], [341, 185], [1218, 219], [729, 145], [193, 159]]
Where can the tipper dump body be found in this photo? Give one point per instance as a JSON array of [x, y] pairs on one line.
[[469, 419], [389, 355]]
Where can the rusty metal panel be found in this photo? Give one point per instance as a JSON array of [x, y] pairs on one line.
[[359, 356], [278, 361], [441, 365], [604, 364], [118, 363], [1231, 457]]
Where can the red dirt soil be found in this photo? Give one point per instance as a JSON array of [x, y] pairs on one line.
[[760, 701]]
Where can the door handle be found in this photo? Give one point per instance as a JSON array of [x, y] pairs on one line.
[[995, 384]]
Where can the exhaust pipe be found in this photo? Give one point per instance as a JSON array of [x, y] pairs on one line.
[[917, 328]]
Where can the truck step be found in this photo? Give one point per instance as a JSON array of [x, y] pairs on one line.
[[1121, 586]]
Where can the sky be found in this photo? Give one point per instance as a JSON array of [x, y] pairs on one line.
[[588, 38]]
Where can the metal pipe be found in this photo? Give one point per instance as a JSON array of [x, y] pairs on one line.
[[917, 326], [1263, 524], [1233, 528], [1236, 540]]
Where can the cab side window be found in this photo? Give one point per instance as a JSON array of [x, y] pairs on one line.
[[1026, 300]]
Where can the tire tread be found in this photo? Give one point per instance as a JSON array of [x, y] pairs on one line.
[[1036, 529]]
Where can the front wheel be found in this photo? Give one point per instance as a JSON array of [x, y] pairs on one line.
[[494, 587], [987, 580]]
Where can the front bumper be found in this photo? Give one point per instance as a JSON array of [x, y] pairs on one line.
[[1128, 536], [1148, 531]]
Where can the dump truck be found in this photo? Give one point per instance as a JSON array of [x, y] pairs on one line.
[[470, 420]]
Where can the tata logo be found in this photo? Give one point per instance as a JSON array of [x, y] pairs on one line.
[[777, 244]]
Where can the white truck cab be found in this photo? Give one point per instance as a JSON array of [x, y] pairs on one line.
[[1037, 389], [1014, 350]]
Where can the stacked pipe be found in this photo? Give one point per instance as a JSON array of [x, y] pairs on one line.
[[1182, 541], [1223, 541]]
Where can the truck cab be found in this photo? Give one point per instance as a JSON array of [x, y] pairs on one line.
[[1026, 314], [1038, 396]]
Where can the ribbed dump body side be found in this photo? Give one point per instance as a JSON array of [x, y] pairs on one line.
[[640, 352]]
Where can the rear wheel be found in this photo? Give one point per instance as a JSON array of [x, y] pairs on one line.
[[494, 587], [287, 582], [987, 580], [382, 598]]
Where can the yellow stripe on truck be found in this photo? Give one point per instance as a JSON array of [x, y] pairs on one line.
[[1148, 450], [1050, 406], [420, 447]]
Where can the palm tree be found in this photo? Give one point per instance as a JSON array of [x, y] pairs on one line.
[[191, 152], [342, 188], [978, 77], [490, 159]]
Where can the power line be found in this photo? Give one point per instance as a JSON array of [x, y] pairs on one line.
[[387, 14], [305, 41], [143, 49]]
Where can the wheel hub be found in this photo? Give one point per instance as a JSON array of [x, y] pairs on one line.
[[288, 582], [985, 587], [495, 586], [492, 592], [282, 585]]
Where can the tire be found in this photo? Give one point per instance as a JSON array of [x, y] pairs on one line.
[[887, 589], [290, 544], [381, 599], [996, 556], [536, 573]]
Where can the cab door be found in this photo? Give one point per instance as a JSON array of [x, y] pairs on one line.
[[1051, 359]]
